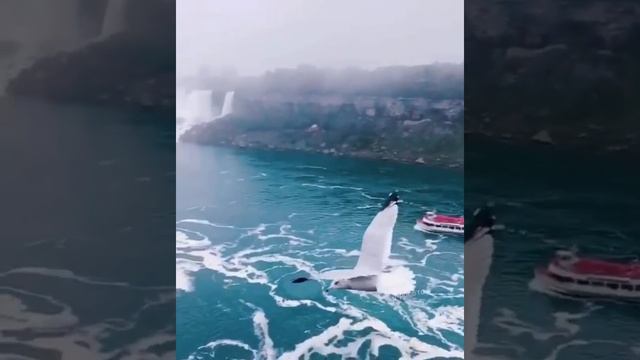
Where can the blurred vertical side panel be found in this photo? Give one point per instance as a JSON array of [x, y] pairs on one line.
[[87, 179], [551, 154]]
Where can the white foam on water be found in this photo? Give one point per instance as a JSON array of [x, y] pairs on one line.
[[231, 267], [420, 320], [450, 286], [205, 222], [436, 320], [449, 318], [183, 241], [432, 244], [288, 303], [557, 350], [224, 342], [15, 315], [61, 331], [299, 264], [326, 343], [370, 197], [284, 232], [508, 320], [328, 252], [563, 319], [331, 187], [578, 342], [212, 258], [186, 267], [140, 349], [184, 274], [240, 266], [367, 207], [404, 243], [70, 275], [243, 265], [261, 328], [311, 167]]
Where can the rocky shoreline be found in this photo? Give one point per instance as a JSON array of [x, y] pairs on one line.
[[375, 153], [558, 75], [130, 67], [83, 76], [401, 130], [591, 138]]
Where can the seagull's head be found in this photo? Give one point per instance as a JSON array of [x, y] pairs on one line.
[[340, 284], [392, 199], [483, 221]]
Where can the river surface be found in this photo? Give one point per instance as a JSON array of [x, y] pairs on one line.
[[86, 255], [551, 200], [248, 222]]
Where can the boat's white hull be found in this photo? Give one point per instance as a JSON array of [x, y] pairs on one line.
[[572, 288], [421, 226]]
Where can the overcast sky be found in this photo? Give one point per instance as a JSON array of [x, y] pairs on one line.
[[253, 36]]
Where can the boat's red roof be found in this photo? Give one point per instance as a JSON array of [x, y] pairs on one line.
[[443, 219], [605, 268]]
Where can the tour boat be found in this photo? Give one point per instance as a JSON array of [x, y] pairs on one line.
[[440, 223], [569, 274]]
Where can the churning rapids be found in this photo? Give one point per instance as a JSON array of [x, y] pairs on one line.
[[250, 222]]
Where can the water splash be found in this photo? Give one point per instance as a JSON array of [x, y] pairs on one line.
[[196, 107]]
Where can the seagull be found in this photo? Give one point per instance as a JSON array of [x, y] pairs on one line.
[[369, 273], [478, 253]]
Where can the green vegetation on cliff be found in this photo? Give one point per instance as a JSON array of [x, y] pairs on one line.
[[570, 68], [134, 67], [411, 114]]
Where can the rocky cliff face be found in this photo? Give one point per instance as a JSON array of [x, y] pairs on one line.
[[563, 72], [133, 67], [411, 129]]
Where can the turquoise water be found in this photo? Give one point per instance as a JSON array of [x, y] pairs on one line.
[[86, 248], [558, 201], [249, 222]]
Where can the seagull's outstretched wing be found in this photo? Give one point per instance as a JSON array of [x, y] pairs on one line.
[[376, 245], [376, 242]]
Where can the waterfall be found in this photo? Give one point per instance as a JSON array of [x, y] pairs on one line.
[[192, 108], [227, 106], [199, 106], [113, 21], [53, 27], [196, 107], [181, 103]]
